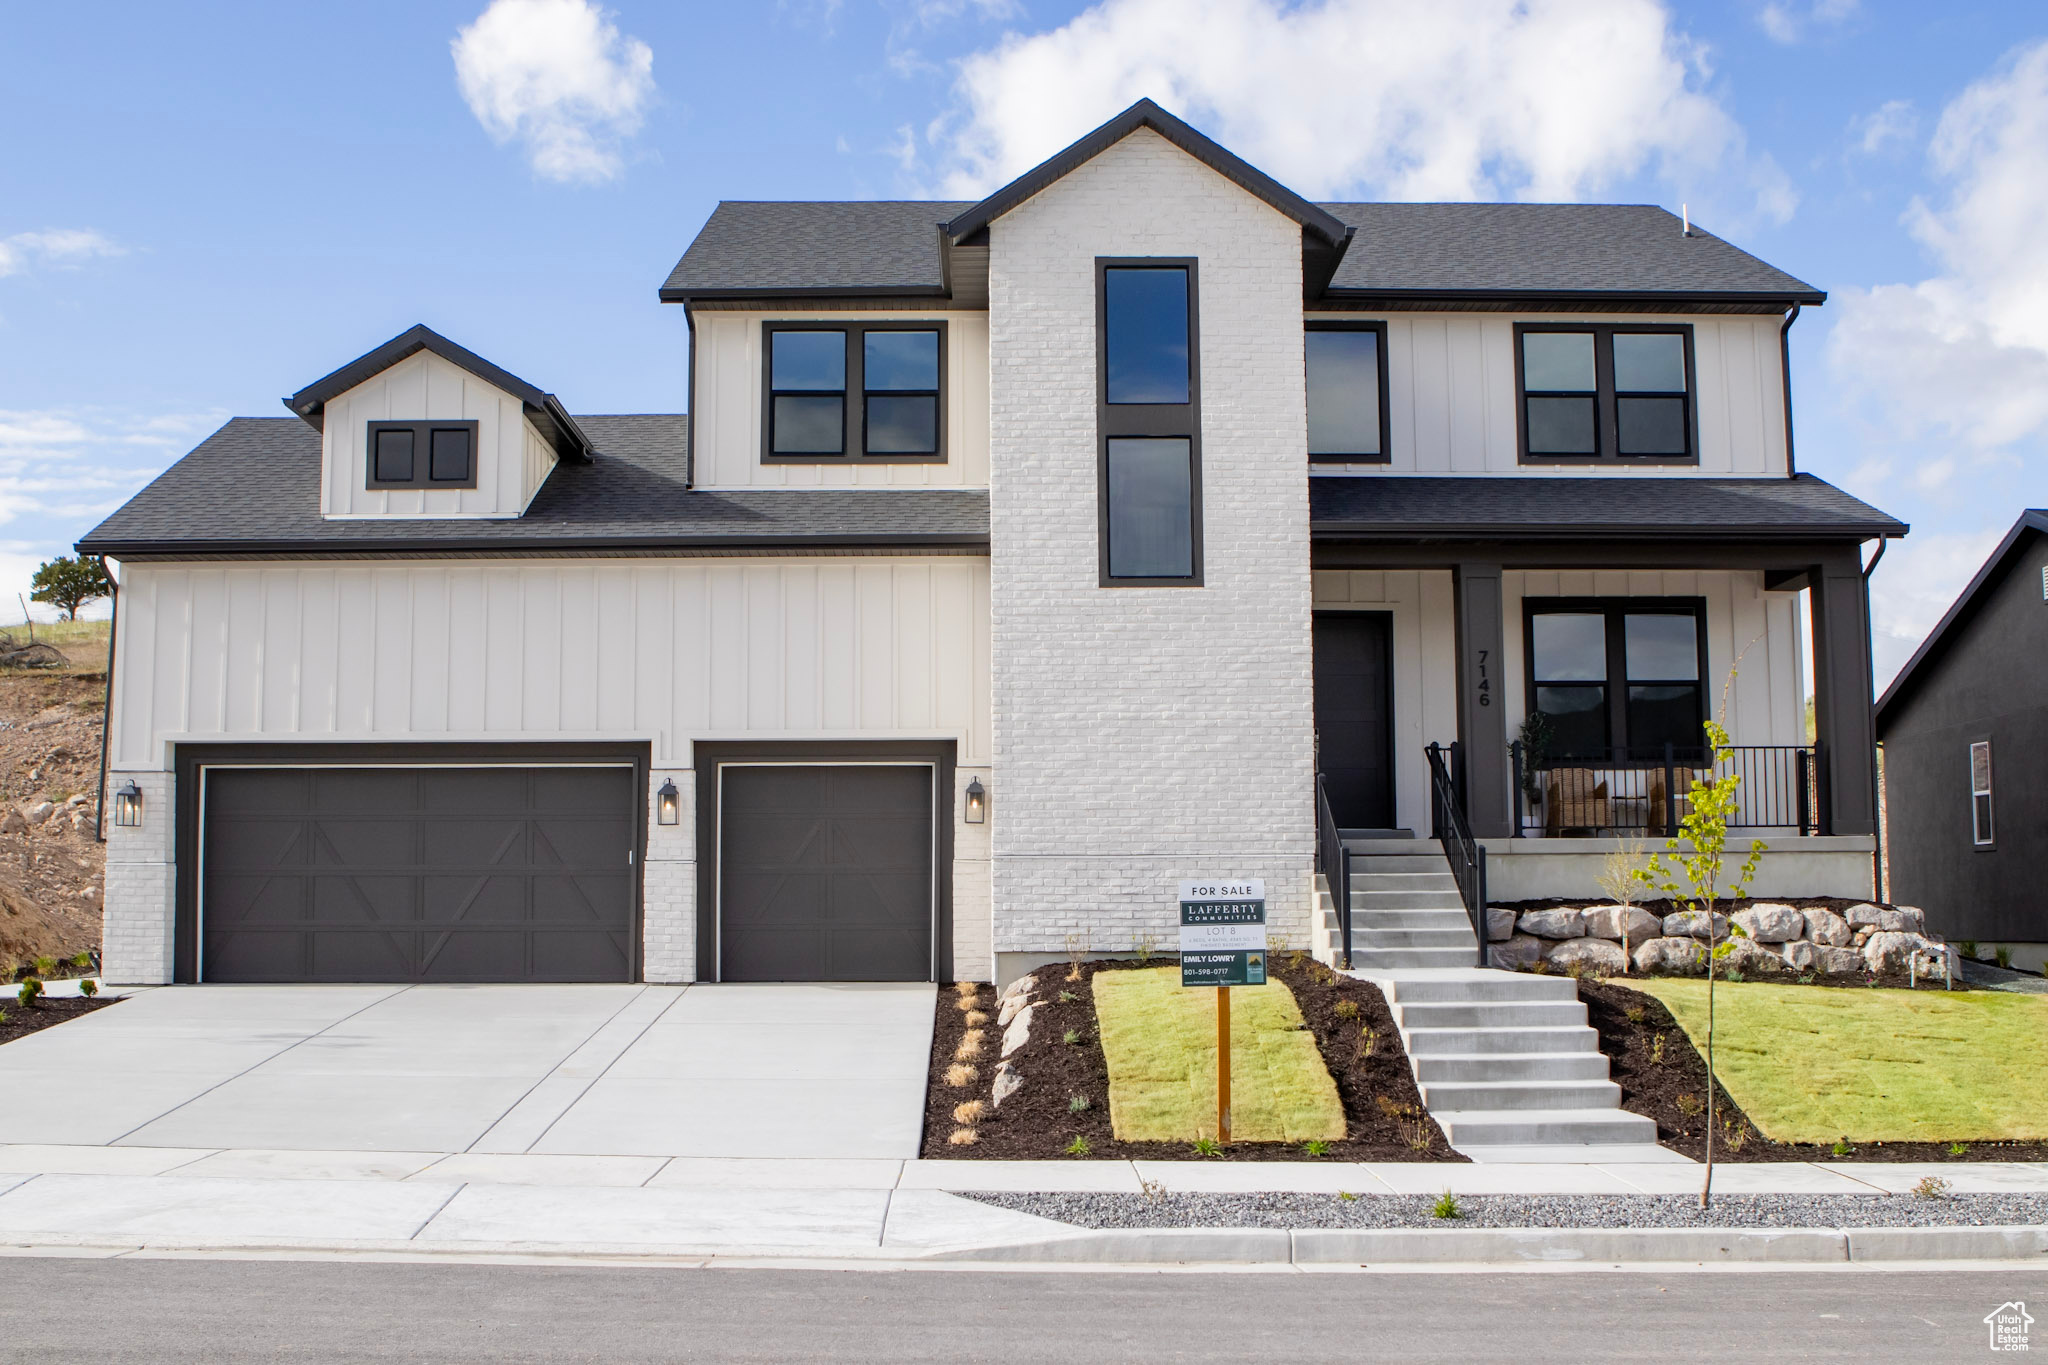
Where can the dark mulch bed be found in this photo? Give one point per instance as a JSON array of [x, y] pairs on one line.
[[1652, 1088], [20, 1021], [1038, 1122]]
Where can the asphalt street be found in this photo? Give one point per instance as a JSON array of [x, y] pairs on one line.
[[271, 1310]]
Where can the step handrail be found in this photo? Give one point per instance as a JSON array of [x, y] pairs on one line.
[[1333, 860], [1466, 855]]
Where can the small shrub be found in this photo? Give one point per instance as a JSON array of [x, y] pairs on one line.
[[1540, 967], [1368, 1039], [960, 1075], [1806, 978], [1931, 1187], [1417, 1131], [1690, 1105], [1207, 1146], [1296, 957], [1347, 1196], [1068, 997], [1145, 945], [2004, 957], [1734, 1135], [968, 1004], [969, 1046], [966, 990], [1636, 1013], [1446, 1206], [1154, 1190], [1345, 1009], [3, 1016], [83, 961], [1732, 974], [30, 989], [962, 1137], [88, 988], [1843, 1148], [1657, 1050], [1958, 1148], [46, 966], [1077, 1104], [975, 1019], [1969, 947], [1388, 1105], [969, 1111], [1071, 1037], [1078, 1147], [1077, 953], [1316, 1147]]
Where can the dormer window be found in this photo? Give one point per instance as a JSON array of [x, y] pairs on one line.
[[421, 455], [854, 391]]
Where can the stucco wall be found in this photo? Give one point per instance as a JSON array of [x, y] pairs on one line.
[[1147, 734]]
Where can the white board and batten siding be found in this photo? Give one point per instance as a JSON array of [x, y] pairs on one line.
[[541, 651], [728, 436], [512, 458], [1451, 396]]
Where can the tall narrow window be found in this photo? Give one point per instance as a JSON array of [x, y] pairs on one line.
[[1605, 392], [858, 391], [1347, 380], [1148, 421], [1980, 792]]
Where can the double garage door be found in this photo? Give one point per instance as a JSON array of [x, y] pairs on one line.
[[527, 873]]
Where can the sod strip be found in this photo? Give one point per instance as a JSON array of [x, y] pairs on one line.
[[1160, 1042]]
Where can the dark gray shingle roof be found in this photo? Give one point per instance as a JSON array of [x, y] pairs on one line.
[[253, 487], [1547, 248], [1489, 249], [1384, 506]]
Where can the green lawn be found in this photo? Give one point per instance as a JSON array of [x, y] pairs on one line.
[[1814, 1064], [1161, 1044]]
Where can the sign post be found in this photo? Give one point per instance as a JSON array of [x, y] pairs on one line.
[[1223, 944]]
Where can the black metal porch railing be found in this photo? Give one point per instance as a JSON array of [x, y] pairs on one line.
[[1636, 791], [1333, 860], [1466, 855]]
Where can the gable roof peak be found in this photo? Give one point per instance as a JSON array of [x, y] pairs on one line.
[[1145, 113]]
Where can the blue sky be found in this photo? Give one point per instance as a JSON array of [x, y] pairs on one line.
[[204, 207]]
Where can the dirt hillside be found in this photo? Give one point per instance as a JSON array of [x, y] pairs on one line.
[[51, 865]]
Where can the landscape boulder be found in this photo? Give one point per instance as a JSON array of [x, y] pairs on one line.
[[1518, 954], [1864, 916], [1554, 923], [1890, 950], [1685, 955], [1838, 961], [1693, 924], [1770, 922], [1800, 955], [1023, 985], [1751, 959], [1827, 928], [1500, 924], [1898, 922], [1916, 914], [39, 812], [1012, 1006], [1592, 956], [1019, 1031], [1615, 922], [1009, 1080], [12, 823]]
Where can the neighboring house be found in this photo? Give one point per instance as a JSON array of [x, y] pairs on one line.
[[1018, 559], [1964, 728]]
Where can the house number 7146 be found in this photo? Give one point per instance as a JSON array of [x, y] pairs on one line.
[[1485, 683]]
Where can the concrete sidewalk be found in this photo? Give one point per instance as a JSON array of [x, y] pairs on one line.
[[425, 1203]]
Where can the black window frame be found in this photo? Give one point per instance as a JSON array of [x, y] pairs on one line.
[[423, 456], [1606, 424], [1386, 455], [1616, 683], [854, 407], [1159, 421]]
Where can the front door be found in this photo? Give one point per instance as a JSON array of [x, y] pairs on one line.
[[1354, 716]]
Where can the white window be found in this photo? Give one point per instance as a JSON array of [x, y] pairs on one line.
[[1980, 791]]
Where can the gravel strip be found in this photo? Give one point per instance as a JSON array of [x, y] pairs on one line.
[[1526, 1210]]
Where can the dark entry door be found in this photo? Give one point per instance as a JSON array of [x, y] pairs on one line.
[[1354, 712], [418, 874], [825, 873]]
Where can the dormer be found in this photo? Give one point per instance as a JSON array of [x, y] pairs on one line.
[[421, 428]]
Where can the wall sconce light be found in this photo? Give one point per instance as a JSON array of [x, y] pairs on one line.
[[977, 802], [128, 805], [666, 801]]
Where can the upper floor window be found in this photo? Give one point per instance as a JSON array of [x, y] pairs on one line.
[[1347, 383], [862, 390], [1607, 392], [1980, 793], [421, 455], [1148, 420], [1618, 678]]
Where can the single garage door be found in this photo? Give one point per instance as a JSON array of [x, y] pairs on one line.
[[418, 874], [825, 873]]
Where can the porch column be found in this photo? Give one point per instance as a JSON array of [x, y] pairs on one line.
[[1482, 718], [1842, 704]]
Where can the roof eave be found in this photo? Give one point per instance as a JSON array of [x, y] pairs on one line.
[[670, 294], [1345, 531], [1678, 299], [2033, 519], [285, 549]]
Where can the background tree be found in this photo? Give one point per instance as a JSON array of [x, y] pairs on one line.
[[69, 584]]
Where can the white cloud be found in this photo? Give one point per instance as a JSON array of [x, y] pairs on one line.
[[1963, 355], [1915, 583], [557, 76], [1408, 99], [1788, 22], [1894, 123], [60, 247]]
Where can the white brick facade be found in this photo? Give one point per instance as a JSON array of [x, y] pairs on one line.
[[1143, 735], [141, 886], [668, 883]]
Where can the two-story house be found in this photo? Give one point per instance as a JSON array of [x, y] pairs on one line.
[[1017, 560]]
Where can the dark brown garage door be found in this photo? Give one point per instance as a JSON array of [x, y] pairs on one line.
[[418, 874], [825, 873]]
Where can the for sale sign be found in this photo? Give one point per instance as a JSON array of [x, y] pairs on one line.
[[1223, 932]]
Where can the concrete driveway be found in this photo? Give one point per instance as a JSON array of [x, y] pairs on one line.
[[718, 1071]]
